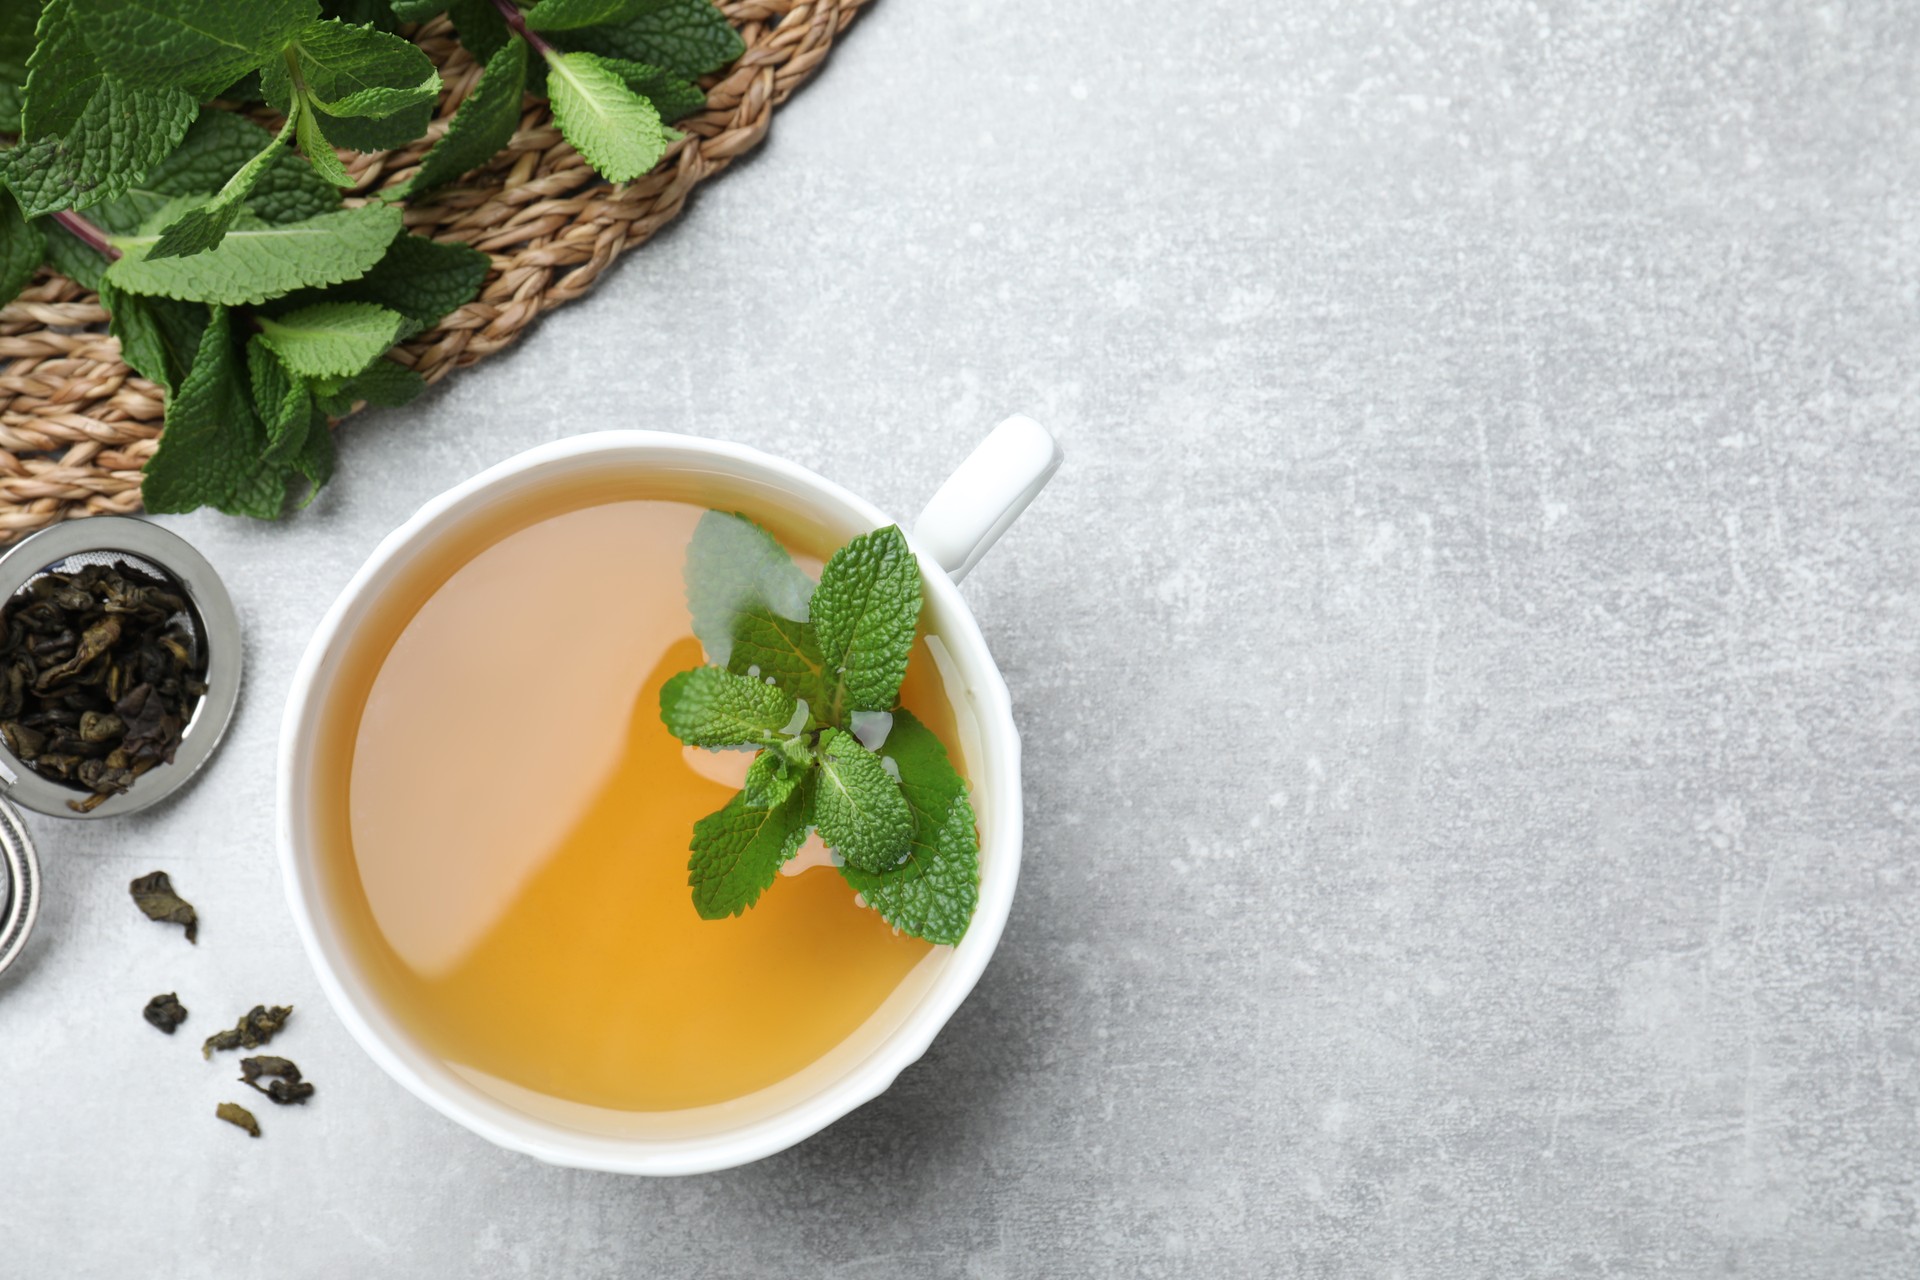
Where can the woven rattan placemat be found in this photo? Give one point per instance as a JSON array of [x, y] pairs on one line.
[[76, 425]]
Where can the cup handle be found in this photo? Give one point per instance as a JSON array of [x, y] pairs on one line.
[[986, 494]]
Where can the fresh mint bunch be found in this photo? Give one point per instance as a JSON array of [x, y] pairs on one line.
[[232, 274], [809, 677], [615, 71]]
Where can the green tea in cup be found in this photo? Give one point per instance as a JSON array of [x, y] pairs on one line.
[[506, 819]]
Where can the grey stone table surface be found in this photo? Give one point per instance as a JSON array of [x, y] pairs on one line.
[[1467, 669]]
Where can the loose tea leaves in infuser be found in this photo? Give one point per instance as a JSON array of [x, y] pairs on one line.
[[288, 1088], [257, 1026], [99, 676], [153, 893], [165, 1012]]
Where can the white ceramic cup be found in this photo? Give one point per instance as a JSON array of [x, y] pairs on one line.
[[964, 518]]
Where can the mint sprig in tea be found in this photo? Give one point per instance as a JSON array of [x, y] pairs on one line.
[[645, 805], [809, 678]]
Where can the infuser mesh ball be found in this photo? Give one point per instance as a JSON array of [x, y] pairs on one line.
[[208, 625]]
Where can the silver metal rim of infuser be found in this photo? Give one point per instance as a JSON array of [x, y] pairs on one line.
[[217, 631], [22, 890]]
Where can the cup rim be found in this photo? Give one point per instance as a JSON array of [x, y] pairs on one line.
[[491, 1117]]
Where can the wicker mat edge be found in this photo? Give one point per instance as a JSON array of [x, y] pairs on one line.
[[76, 425]]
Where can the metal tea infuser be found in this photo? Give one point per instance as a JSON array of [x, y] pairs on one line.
[[211, 625]]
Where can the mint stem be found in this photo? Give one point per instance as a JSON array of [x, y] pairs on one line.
[[86, 233], [511, 12]]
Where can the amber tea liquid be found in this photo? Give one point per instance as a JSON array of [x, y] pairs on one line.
[[510, 823]]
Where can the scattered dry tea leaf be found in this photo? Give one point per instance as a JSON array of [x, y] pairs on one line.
[[255, 1028], [288, 1088], [235, 1114], [154, 895], [165, 1012]]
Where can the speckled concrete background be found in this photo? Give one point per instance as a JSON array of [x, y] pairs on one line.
[[1468, 670]]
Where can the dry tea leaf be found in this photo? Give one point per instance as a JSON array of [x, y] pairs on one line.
[[99, 677], [165, 1012], [257, 1026], [154, 895], [288, 1088], [235, 1114]]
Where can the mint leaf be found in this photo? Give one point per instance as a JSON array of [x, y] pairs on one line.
[[416, 10], [483, 125], [383, 382], [331, 339], [766, 644], [480, 27], [16, 46], [617, 132], [687, 37], [374, 13], [201, 46], [315, 461], [85, 136], [157, 336], [291, 190], [671, 96], [569, 15], [858, 806], [735, 567], [738, 851], [196, 230], [864, 613], [713, 707], [21, 248], [199, 230], [210, 452], [136, 211], [933, 894], [281, 398], [797, 753], [359, 88], [422, 279], [159, 212], [317, 148], [898, 818], [297, 435], [297, 439], [126, 214], [360, 71], [353, 71], [749, 605], [329, 396], [255, 263], [772, 777], [245, 90], [77, 262], [216, 145], [376, 133]]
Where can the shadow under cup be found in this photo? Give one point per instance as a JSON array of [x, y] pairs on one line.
[[331, 688]]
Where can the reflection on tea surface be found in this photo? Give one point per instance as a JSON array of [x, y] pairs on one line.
[[519, 821]]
